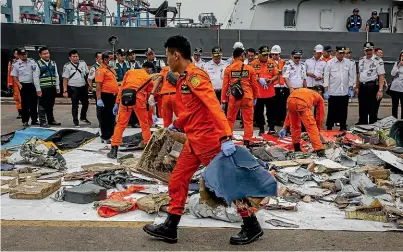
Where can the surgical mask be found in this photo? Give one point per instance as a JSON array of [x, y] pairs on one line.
[[110, 63]]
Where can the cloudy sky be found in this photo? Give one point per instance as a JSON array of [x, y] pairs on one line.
[[189, 9]]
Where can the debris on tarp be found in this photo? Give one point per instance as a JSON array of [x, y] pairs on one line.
[[154, 203], [100, 167], [83, 194], [5, 154], [110, 179], [279, 203], [280, 223], [33, 189], [325, 166], [67, 139]]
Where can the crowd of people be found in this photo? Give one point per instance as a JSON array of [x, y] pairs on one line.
[[203, 100]]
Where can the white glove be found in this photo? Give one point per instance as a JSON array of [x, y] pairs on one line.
[[151, 100], [263, 82]]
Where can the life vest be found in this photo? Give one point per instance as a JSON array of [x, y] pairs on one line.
[[355, 23], [373, 25], [47, 76], [94, 84], [121, 70]]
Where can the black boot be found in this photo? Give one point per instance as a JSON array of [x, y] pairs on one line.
[[261, 130], [250, 232], [19, 114], [166, 231], [246, 143], [113, 153], [297, 147], [320, 153]]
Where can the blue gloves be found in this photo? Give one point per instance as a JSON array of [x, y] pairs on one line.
[[326, 95], [173, 128], [100, 103], [228, 148], [263, 82], [115, 109], [254, 101], [351, 92], [155, 118], [282, 133]]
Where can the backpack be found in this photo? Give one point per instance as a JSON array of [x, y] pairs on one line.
[[236, 89]]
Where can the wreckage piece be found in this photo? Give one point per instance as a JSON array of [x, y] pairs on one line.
[[297, 176], [5, 154], [100, 167], [153, 203], [261, 153], [280, 223], [314, 192], [346, 191], [367, 157], [328, 185], [279, 203], [35, 152], [396, 132], [372, 212], [220, 212], [116, 205], [379, 173], [34, 190], [109, 179], [341, 202], [325, 166], [360, 182], [389, 158], [160, 145], [289, 163], [84, 194]]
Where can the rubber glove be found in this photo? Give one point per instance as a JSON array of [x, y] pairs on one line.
[[100, 103], [155, 118], [263, 82], [326, 95], [254, 101], [173, 128], [115, 109], [151, 100], [223, 105], [351, 92], [228, 148], [282, 133]]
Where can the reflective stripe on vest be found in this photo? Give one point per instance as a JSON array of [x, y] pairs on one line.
[[47, 76]]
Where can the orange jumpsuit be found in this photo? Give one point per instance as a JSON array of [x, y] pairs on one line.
[[133, 79], [326, 59], [205, 125], [168, 91], [16, 90], [250, 88], [299, 104]]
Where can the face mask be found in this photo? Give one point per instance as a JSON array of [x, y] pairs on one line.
[[110, 63]]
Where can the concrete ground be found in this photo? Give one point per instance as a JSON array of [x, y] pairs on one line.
[[105, 236]]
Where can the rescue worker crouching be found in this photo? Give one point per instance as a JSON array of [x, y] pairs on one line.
[[132, 96], [207, 132], [299, 104], [240, 91]]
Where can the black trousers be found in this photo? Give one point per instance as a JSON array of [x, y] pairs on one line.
[[46, 104], [259, 111], [367, 103], [218, 94], [280, 105], [79, 94], [106, 118], [29, 103], [337, 111], [321, 91], [396, 97]]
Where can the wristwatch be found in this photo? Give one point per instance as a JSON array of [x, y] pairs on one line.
[[64, 92], [380, 90]]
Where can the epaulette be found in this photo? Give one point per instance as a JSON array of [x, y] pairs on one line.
[[352, 60], [362, 58], [377, 58]]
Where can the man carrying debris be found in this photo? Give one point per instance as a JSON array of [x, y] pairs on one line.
[[240, 81], [168, 90], [299, 104], [207, 132], [132, 96]]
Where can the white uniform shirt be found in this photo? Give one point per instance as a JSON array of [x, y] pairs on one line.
[[91, 74], [296, 74], [200, 63], [24, 70], [317, 67], [73, 76], [216, 72], [339, 76], [37, 72], [371, 68], [397, 83]]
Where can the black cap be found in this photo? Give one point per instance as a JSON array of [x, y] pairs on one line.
[[374, 13], [296, 52], [327, 48], [130, 52], [120, 51], [150, 50], [369, 46], [148, 64], [356, 10], [21, 51], [198, 51], [216, 51], [264, 50], [340, 49]]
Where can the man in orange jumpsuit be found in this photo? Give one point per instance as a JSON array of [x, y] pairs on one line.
[[13, 85], [267, 73], [207, 132], [247, 78], [136, 83], [299, 104], [168, 90]]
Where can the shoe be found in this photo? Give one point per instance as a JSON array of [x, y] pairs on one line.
[[320, 153], [19, 114], [76, 125], [35, 123], [250, 232], [241, 125], [54, 123], [271, 131], [261, 130], [106, 141], [167, 230], [136, 125], [85, 121], [297, 147], [25, 125], [246, 143], [44, 125], [113, 153]]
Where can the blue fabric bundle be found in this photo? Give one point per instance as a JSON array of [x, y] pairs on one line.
[[238, 176]]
